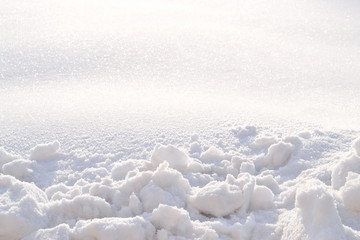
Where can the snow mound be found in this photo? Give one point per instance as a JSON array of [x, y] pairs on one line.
[[136, 228], [350, 192], [176, 158], [175, 221], [316, 215], [19, 169], [213, 155], [21, 208], [223, 198], [44, 152], [278, 155], [262, 198], [356, 146], [343, 167], [6, 157], [60, 232], [119, 171], [242, 132], [80, 207], [263, 142], [167, 186]]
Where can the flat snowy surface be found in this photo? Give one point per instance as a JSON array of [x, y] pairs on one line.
[[179, 119]]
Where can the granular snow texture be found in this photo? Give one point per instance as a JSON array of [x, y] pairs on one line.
[[286, 194], [191, 119]]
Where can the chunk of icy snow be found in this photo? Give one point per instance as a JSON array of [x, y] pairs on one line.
[[242, 132], [6, 157], [80, 207], [341, 170], [60, 232], [213, 155], [350, 192], [356, 146], [19, 169], [278, 155], [223, 198], [174, 220], [317, 216], [262, 198], [136, 228], [44, 152], [176, 158], [168, 186], [119, 171], [21, 209]]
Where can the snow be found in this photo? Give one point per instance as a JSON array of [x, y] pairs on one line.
[[278, 155], [179, 120], [220, 199], [111, 228], [175, 157], [152, 199], [21, 210], [43, 152], [212, 155], [350, 192], [316, 214]]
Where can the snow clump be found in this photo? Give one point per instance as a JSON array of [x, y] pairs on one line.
[[176, 158], [21, 208], [223, 198], [44, 152]]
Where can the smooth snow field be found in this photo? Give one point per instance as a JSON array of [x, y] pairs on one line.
[[180, 120]]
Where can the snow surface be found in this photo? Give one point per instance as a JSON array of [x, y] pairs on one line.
[[179, 120]]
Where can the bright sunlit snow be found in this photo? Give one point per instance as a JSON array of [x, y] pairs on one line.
[[180, 119]]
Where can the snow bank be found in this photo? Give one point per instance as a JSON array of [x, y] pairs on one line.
[[44, 152]]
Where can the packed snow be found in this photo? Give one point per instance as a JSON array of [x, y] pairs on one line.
[[179, 120]]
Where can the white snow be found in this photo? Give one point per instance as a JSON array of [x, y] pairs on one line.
[[150, 199], [316, 216], [223, 198], [350, 192], [43, 152], [22, 208], [179, 120], [175, 157]]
